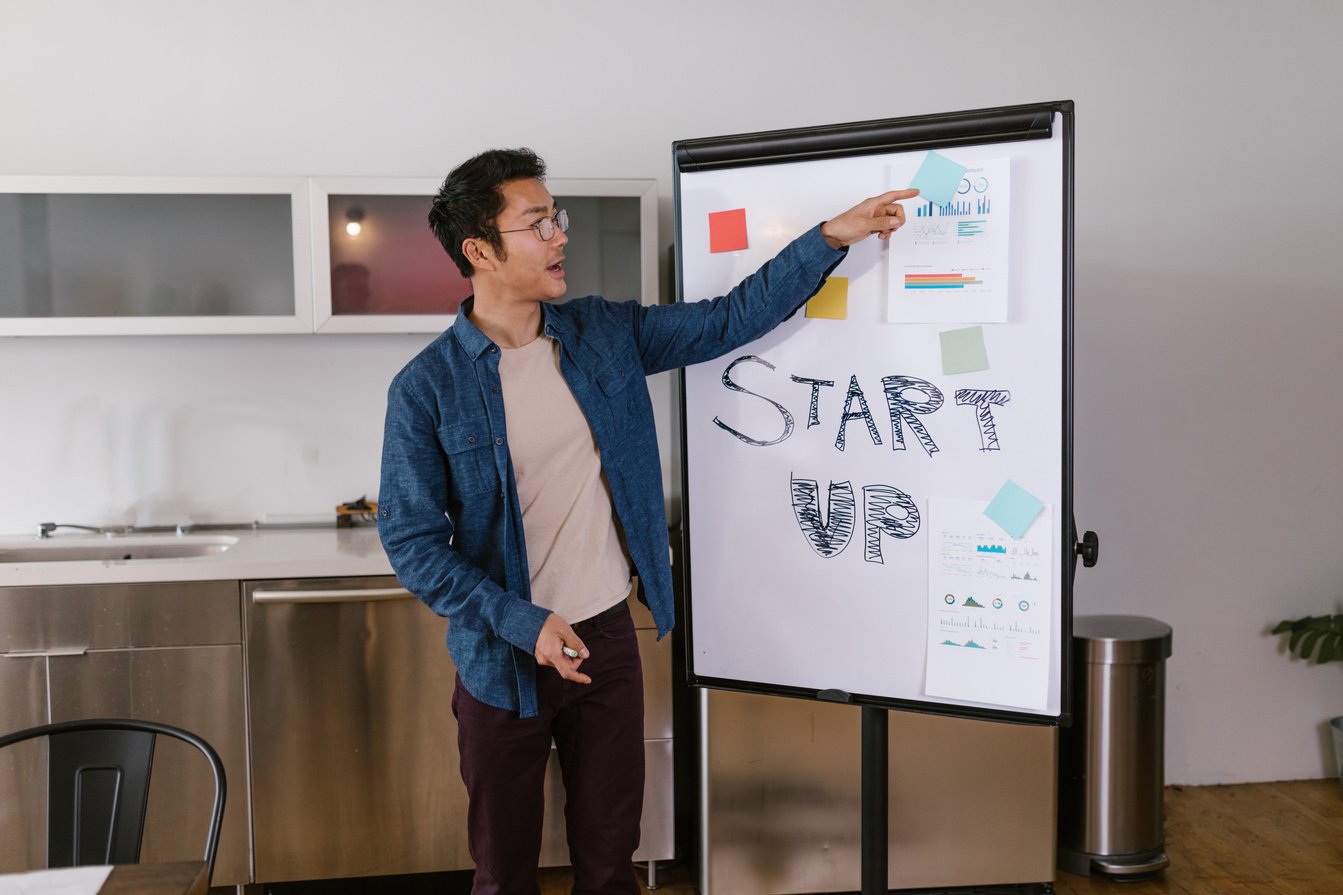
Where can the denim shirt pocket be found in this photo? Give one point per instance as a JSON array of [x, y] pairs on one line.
[[611, 381], [470, 460]]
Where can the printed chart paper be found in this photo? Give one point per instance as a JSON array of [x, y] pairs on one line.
[[949, 263], [990, 619]]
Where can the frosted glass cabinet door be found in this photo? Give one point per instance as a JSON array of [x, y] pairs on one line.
[[378, 268], [141, 256]]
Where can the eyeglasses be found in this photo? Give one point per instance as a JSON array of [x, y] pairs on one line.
[[545, 228]]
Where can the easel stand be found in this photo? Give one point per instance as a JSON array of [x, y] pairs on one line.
[[876, 754]]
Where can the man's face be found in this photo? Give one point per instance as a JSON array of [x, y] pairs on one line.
[[531, 269]]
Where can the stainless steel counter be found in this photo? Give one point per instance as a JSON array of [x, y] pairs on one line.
[[283, 553]]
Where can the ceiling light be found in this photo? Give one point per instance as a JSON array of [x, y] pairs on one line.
[[353, 218]]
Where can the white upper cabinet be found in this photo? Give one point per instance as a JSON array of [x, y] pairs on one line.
[[378, 268], [376, 265], [150, 255], [84, 256]]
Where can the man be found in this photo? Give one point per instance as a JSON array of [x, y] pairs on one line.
[[521, 487]]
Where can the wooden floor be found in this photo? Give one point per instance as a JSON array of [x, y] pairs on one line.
[[1251, 839], [1260, 838]]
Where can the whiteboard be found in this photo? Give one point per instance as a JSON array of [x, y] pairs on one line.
[[836, 475]]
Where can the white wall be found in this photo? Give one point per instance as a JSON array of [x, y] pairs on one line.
[[1209, 300]]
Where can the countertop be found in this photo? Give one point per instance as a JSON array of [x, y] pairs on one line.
[[263, 553]]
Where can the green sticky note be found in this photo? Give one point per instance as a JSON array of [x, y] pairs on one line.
[[1014, 509], [963, 350], [938, 179]]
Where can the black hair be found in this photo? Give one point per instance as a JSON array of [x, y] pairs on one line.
[[472, 197]]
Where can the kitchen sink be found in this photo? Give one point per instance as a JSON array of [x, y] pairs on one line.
[[120, 548]]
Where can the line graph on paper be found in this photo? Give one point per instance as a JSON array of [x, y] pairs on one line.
[[928, 233], [990, 628]]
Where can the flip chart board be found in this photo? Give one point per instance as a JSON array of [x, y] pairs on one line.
[[878, 494]]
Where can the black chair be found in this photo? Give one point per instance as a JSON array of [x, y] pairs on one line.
[[98, 784]]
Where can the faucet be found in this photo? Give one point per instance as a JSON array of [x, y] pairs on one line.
[[45, 529]]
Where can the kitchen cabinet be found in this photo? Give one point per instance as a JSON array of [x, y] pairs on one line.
[[328, 699], [154, 255], [23, 703], [86, 256], [378, 268], [164, 651]]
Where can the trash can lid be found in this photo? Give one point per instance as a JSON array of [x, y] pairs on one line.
[[1121, 639]]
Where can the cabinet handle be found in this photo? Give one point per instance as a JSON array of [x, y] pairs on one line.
[[353, 595], [46, 653]]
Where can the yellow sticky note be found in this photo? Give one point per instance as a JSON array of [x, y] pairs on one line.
[[832, 301]]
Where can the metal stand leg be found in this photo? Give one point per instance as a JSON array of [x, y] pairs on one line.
[[876, 749], [652, 875]]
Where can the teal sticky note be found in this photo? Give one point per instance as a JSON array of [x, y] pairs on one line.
[[963, 350], [1014, 509], [938, 179]]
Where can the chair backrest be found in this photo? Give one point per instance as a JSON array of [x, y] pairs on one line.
[[98, 785]]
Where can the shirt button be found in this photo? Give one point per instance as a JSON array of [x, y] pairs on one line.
[[470, 439], [495, 390], [493, 349], [498, 441]]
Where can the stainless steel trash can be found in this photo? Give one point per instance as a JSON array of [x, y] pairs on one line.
[[1111, 762]]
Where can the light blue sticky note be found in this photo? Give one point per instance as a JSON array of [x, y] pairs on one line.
[[938, 179], [963, 350], [1014, 509]]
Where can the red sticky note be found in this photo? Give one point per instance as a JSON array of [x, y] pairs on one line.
[[727, 230]]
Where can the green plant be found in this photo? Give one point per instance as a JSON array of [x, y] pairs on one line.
[[1318, 634]]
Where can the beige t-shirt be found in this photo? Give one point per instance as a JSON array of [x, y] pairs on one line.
[[578, 565]]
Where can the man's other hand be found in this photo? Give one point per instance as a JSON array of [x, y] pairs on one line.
[[882, 215], [554, 637]]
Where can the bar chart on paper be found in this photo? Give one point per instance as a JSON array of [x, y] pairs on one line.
[[940, 281], [950, 263], [954, 208]]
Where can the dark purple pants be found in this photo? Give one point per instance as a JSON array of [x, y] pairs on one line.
[[598, 731]]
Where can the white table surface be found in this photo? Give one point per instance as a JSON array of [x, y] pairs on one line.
[[60, 881]]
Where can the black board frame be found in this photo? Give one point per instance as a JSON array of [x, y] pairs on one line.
[[1005, 124]]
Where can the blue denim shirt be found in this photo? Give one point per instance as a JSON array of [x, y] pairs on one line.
[[448, 509]]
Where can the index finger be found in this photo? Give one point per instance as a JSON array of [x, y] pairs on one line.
[[892, 196]]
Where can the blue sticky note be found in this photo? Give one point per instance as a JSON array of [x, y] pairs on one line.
[[1014, 509], [938, 179]]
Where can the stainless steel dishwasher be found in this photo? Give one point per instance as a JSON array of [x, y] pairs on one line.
[[354, 750], [353, 743]]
